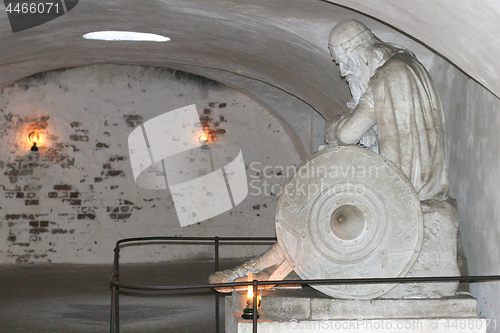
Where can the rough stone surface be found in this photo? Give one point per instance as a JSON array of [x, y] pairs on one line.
[[438, 256], [309, 304], [437, 325], [460, 306], [315, 313]]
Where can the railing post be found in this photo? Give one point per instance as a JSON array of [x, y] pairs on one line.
[[113, 309], [117, 311], [217, 239], [217, 305], [115, 294], [255, 304]]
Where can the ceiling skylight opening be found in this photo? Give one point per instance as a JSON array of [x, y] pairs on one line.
[[125, 36]]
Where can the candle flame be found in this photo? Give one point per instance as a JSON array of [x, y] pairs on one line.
[[250, 288]]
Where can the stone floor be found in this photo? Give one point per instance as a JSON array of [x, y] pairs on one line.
[[76, 299]]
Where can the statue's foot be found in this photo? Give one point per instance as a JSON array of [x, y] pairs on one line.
[[269, 265], [221, 277], [235, 275]]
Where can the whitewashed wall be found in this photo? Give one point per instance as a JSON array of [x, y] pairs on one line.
[[472, 128]]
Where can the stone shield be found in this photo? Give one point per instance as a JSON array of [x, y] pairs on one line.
[[349, 213]]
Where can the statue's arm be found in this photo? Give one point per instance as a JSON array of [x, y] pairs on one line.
[[353, 125]]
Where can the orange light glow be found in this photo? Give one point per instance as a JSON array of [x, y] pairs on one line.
[[250, 288], [203, 138], [33, 137]]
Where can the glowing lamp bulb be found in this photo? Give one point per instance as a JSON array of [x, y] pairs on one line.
[[204, 141], [33, 138]]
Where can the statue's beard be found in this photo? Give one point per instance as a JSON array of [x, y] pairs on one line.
[[357, 87], [359, 79], [358, 84]]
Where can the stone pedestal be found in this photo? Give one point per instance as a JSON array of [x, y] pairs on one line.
[[307, 310]]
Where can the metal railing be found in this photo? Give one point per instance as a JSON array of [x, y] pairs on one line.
[[217, 242]]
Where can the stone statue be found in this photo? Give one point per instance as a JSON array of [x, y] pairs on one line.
[[391, 91], [395, 112]]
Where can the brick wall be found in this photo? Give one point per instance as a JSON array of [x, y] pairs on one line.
[[71, 200]]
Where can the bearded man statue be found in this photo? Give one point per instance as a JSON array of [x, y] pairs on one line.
[[393, 102], [396, 112]]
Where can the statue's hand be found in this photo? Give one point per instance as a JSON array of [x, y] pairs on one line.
[[330, 130], [369, 139]]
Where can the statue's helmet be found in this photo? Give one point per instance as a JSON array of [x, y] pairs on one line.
[[347, 35]]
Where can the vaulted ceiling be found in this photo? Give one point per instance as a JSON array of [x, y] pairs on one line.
[[280, 42]]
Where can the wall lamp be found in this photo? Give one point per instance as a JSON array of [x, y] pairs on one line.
[[33, 138], [204, 141]]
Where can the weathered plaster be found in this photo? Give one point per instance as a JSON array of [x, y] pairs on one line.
[[74, 198], [303, 124]]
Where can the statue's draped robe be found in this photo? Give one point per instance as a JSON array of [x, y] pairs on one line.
[[410, 124]]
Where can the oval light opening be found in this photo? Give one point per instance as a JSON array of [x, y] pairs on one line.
[[125, 36]]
